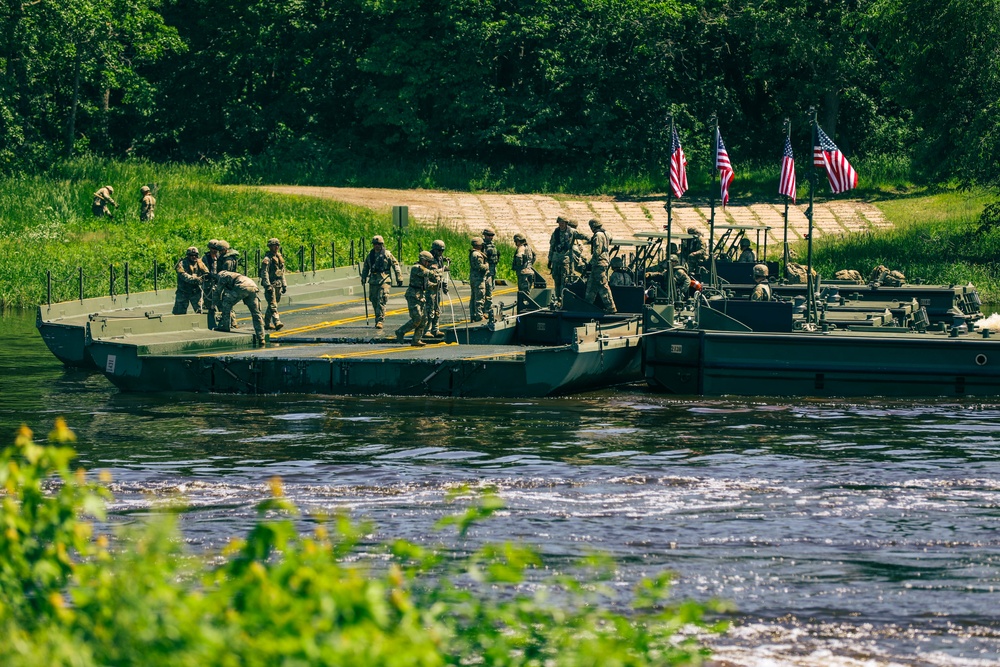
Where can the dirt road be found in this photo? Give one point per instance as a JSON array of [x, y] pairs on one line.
[[534, 215]]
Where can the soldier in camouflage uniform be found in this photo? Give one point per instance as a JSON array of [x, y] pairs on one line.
[[228, 260], [231, 288], [620, 277], [190, 274], [597, 284], [762, 289], [102, 199], [693, 250], [492, 259], [440, 264], [272, 279], [523, 264], [377, 271], [561, 260], [147, 204], [747, 255], [479, 268], [210, 259], [667, 269], [423, 281]]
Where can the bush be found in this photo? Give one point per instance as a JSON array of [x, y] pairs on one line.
[[281, 597]]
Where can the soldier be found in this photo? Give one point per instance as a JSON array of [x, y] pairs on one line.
[[228, 260], [147, 204], [272, 279], [231, 288], [668, 269], [693, 250], [620, 277], [102, 198], [762, 289], [210, 260], [561, 260], [523, 263], [378, 269], [492, 259], [478, 269], [190, 274], [423, 281], [746, 254], [440, 264], [597, 284]]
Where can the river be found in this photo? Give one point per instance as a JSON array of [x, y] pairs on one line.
[[846, 532]]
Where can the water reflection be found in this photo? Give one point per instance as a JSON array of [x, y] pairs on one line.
[[847, 532]]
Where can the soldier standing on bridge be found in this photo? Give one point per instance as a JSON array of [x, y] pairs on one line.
[[492, 259], [440, 265], [561, 261], [597, 284], [231, 288], [478, 270], [423, 281], [377, 271], [523, 264], [190, 274], [272, 279]]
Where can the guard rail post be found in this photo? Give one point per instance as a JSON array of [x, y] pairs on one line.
[[80, 271], [48, 286], [126, 280], [313, 251], [333, 254]]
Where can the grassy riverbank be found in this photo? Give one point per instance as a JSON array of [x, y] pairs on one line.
[[47, 220]]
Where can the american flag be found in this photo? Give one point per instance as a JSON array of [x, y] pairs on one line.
[[839, 171], [678, 167], [786, 185], [723, 165]]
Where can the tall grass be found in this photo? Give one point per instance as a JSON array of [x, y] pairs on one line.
[[47, 219]]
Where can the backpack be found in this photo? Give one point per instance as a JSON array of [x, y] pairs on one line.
[[849, 274], [796, 274]]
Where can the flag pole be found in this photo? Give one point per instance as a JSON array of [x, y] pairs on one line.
[[671, 288], [784, 268], [811, 306], [711, 221]]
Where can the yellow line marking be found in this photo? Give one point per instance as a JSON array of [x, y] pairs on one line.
[[381, 350], [334, 323]]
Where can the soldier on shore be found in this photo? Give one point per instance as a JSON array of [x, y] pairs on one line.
[[377, 271], [147, 204], [523, 263], [561, 256], [423, 281], [440, 264], [597, 284], [272, 279], [492, 260], [231, 288], [102, 199], [191, 273], [478, 270]]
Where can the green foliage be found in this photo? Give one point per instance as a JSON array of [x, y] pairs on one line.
[[281, 597]]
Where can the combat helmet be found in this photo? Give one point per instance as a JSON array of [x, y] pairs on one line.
[[192, 251], [437, 245], [144, 189], [488, 232], [616, 262], [222, 246], [674, 259], [213, 244], [426, 256], [594, 223], [273, 242], [694, 231], [760, 270], [744, 242], [561, 221], [477, 242], [519, 238], [378, 239], [110, 189]]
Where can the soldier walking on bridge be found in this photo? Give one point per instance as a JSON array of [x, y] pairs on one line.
[[561, 260], [378, 270]]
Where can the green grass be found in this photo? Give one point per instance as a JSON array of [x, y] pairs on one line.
[[47, 220], [935, 239]]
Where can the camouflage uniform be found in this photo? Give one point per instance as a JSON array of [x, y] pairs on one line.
[[671, 267], [377, 271], [747, 255], [561, 260], [523, 263], [479, 268], [620, 277], [693, 250], [597, 284], [210, 260], [272, 279], [232, 288], [102, 199], [440, 265], [762, 291], [423, 281], [492, 259], [229, 260], [147, 205], [190, 274]]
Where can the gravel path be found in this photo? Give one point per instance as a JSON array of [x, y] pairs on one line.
[[535, 215]]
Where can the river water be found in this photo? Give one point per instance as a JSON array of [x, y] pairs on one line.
[[846, 532]]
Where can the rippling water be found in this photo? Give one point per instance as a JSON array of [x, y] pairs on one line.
[[846, 532]]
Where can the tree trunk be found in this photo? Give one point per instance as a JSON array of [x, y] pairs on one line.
[[71, 122]]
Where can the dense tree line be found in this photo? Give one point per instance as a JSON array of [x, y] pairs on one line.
[[533, 81]]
